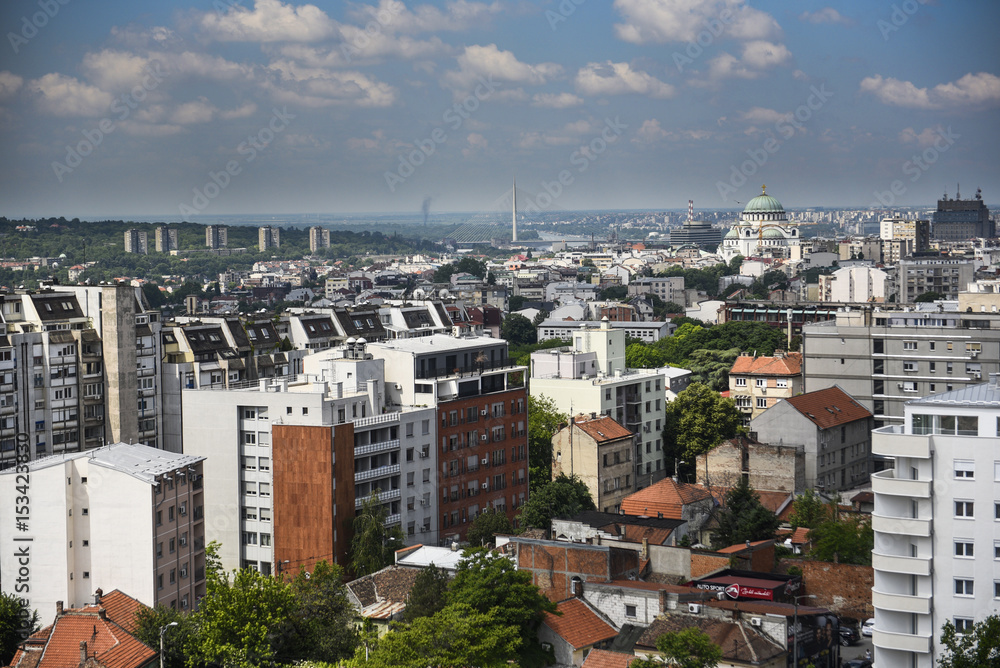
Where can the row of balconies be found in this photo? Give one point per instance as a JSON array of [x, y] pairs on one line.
[[380, 472], [384, 495], [372, 448]]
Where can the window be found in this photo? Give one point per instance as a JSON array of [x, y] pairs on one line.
[[964, 469], [741, 382], [173, 545], [782, 382], [265, 514], [761, 402], [909, 345], [967, 508], [909, 386], [249, 538], [265, 489], [909, 366], [250, 514], [265, 539], [86, 511], [760, 382], [996, 589], [964, 548], [964, 587], [964, 624], [629, 610]]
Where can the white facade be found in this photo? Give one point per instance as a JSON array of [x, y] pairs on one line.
[[123, 516], [762, 230], [936, 522], [858, 284]]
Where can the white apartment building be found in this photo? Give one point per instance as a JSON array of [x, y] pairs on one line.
[[590, 377], [122, 516], [232, 427], [936, 522]]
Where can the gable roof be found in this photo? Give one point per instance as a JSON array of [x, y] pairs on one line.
[[828, 408], [666, 496], [602, 429], [578, 625], [390, 585], [602, 658], [737, 641], [121, 609], [788, 364]]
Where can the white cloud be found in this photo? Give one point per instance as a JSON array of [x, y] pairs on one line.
[[757, 56], [971, 90], [762, 115], [268, 21], [115, 70], [925, 138], [317, 87], [196, 111], [610, 78], [393, 16], [60, 95], [650, 132], [728, 66], [376, 143], [662, 21], [556, 100], [475, 144], [762, 55], [243, 111], [10, 83], [491, 64], [203, 65], [826, 15]]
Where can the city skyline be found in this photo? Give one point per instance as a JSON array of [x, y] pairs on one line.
[[211, 109]]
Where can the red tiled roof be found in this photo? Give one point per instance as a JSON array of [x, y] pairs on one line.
[[737, 642], [602, 658], [107, 642], [773, 501], [666, 496], [739, 547], [121, 609], [579, 625], [829, 408], [602, 429], [790, 364]]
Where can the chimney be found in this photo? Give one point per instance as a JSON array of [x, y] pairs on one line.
[[83, 652], [102, 613], [59, 608], [97, 596], [454, 546], [994, 382]]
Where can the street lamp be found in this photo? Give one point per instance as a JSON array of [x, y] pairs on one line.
[[163, 630], [795, 628]]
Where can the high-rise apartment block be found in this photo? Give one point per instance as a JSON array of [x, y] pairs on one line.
[[943, 275], [916, 232], [121, 516], [166, 239], [216, 236], [936, 519], [319, 237], [268, 237], [961, 219], [136, 241]]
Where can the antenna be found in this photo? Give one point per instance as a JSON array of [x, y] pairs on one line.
[[513, 208]]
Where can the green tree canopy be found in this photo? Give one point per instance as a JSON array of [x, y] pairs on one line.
[[374, 545], [979, 648], [929, 297], [17, 622], [543, 422], [149, 621], [322, 624], [743, 518], [486, 525], [518, 330], [698, 420], [687, 648], [427, 596], [808, 511], [563, 497], [844, 538]]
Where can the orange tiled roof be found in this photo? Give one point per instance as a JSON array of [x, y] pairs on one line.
[[107, 642], [666, 496], [602, 428], [739, 547], [602, 658], [789, 364], [829, 408], [121, 609], [779, 503], [578, 625]]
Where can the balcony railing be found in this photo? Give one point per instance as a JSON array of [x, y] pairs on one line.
[[472, 370], [919, 605], [380, 472], [898, 564], [384, 495], [903, 642], [372, 448], [905, 526], [886, 482]]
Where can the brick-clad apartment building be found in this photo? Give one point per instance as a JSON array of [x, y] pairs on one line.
[[482, 420]]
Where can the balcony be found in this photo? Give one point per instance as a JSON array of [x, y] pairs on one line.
[[384, 418], [372, 448], [905, 565], [384, 495], [892, 442], [920, 605], [903, 642], [380, 472], [886, 482], [903, 526], [392, 519]]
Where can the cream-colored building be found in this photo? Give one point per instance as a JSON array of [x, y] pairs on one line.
[[597, 450], [757, 383]]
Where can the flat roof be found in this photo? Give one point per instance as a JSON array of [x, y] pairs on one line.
[[427, 555], [437, 343], [136, 460]]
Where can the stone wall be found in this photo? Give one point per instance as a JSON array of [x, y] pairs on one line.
[[843, 588]]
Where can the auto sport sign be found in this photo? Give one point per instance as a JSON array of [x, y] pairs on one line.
[[735, 591]]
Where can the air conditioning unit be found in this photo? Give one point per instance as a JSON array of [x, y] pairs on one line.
[[974, 353], [423, 454], [485, 461], [486, 485], [483, 437], [899, 386], [424, 529], [755, 621], [694, 608]]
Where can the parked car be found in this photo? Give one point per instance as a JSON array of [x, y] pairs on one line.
[[848, 636], [866, 628]]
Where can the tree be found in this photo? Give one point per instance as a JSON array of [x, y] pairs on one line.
[[979, 648], [149, 621], [562, 497], [849, 539], [427, 596], [17, 622], [518, 330], [543, 422], [458, 635], [698, 420], [613, 293], [322, 622], [515, 303], [374, 545], [743, 518], [688, 648], [930, 296], [642, 356], [539, 318], [808, 511], [486, 525]]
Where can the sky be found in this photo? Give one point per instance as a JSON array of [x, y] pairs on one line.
[[191, 108]]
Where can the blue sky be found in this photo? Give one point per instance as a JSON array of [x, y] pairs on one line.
[[180, 109]]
